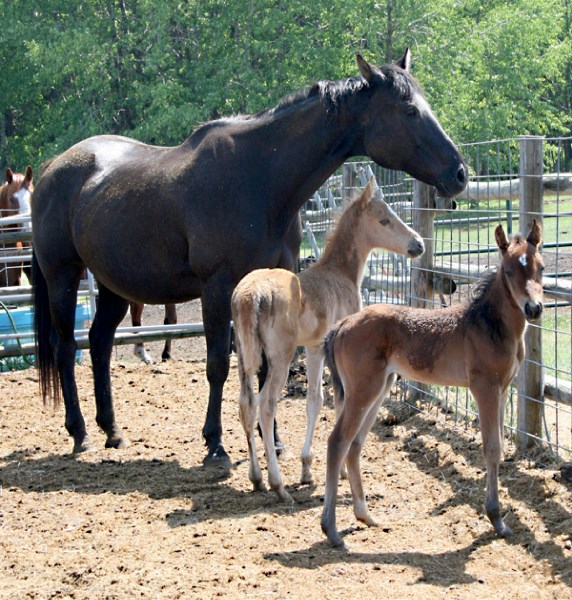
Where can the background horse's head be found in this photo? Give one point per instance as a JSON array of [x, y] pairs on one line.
[[522, 267], [16, 192], [421, 146]]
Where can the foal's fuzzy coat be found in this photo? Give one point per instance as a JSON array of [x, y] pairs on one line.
[[478, 345], [274, 311]]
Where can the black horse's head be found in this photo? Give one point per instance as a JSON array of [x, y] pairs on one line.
[[402, 132]]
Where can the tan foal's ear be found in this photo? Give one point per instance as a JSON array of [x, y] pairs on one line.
[[367, 193], [535, 234], [502, 241]]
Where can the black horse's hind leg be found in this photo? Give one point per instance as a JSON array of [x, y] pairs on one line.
[[170, 319], [111, 309], [216, 319], [62, 294]]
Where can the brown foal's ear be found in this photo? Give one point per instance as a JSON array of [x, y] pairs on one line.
[[9, 175], [502, 241], [535, 234]]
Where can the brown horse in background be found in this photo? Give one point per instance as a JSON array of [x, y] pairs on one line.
[[136, 312], [15, 198], [479, 345], [274, 311]]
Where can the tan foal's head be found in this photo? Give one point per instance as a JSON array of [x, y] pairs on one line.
[[523, 266], [384, 227]]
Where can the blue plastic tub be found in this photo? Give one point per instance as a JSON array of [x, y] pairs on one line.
[[23, 319]]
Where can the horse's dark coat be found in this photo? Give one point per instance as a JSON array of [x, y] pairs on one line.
[[166, 225]]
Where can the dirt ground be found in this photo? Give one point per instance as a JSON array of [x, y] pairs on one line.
[[150, 522]]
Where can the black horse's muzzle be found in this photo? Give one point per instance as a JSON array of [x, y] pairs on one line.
[[455, 183]]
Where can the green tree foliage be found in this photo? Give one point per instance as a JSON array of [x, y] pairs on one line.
[[155, 69]]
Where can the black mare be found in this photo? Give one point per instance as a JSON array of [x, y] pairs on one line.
[[164, 225]]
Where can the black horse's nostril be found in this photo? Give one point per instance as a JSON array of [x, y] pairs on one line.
[[462, 174]]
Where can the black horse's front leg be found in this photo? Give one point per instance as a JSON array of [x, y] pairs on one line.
[[216, 319]]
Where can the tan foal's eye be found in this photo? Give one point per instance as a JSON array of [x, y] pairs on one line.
[[384, 222]]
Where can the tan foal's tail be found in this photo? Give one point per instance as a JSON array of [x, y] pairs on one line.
[[331, 361], [245, 314]]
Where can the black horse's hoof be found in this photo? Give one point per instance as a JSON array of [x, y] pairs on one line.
[[218, 458], [84, 445], [117, 441]]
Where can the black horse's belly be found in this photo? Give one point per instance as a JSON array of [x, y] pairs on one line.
[[148, 264]]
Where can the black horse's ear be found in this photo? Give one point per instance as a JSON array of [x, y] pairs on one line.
[[29, 173], [405, 61], [502, 241], [364, 68], [535, 234]]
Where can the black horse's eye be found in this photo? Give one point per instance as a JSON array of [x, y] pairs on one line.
[[384, 222], [411, 111]]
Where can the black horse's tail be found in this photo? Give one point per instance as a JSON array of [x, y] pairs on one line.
[[331, 361], [45, 359]]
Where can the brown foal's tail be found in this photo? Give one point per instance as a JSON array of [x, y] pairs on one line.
[[331, 361], [45, 359]]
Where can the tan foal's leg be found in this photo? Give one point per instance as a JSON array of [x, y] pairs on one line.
[[248, 405], [278, 367], [314, 401]]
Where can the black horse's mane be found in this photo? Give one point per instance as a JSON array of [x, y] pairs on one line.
[[332, 93]]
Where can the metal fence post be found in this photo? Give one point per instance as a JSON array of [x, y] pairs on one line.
[[530, 386], [422, 267], [421, 293]]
